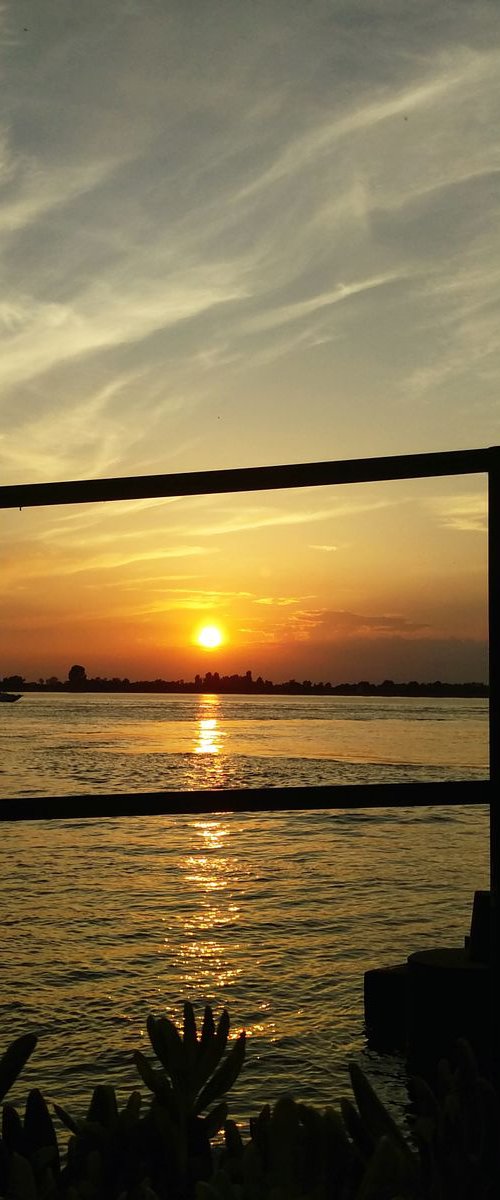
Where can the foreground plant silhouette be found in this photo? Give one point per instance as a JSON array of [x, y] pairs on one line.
[[162, 1150]]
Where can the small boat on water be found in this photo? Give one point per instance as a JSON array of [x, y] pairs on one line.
[[8, 697]]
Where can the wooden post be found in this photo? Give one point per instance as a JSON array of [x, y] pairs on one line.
[[494, 664]]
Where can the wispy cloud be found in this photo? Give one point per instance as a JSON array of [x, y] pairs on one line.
[[467, 513], [314, 304], [110, 561], [324, 625], [36, 565], [253, 518], [282, 601], [36, 192], [449, 78], [356, 623], [49, 333]]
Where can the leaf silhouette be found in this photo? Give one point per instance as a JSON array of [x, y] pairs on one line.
[[208, 1028], [168, 1046], [190, 1038], [224, 1077], [372, 1112], [212, 1046], [156, 1081], [14, 1059]]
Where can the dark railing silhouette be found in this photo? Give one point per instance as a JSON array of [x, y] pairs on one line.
[[361, 470]]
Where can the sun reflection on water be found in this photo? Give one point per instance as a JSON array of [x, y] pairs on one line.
[[208, 736], [209, 950], [210, 768], [208, 728], [208, 945]]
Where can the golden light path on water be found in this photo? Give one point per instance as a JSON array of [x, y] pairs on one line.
[[209, 739], [202, 959]]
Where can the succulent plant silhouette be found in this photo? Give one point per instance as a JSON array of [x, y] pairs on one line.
[[298, 1153], [360, 1153], [294, 1151], [109, 1153], [159, 1149], [194, 1072], [457, 1131]]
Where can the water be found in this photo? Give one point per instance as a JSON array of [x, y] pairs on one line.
[[275, 916], [62, 744]]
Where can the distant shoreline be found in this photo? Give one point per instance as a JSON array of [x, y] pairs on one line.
[[247, 686]]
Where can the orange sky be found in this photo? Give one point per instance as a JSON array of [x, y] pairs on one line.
[[363, 581]]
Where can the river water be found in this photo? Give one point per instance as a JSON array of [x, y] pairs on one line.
[[276, 916]]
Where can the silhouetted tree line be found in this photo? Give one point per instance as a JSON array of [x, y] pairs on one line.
[[78, 681]]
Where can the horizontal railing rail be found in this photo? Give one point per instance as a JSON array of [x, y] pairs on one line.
[[251, 479], [248, 800]]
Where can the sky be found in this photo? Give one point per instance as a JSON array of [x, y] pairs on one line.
[[237, 234]]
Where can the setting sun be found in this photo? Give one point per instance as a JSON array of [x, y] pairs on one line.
[[210, 636]]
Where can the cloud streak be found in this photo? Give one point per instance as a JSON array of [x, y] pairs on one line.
[[466, 513]]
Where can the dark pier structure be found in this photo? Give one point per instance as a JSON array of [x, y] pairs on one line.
[[424, 1004]]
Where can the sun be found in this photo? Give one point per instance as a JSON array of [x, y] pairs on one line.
[[209, 636]]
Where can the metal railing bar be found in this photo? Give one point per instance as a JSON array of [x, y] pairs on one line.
[[342, 797], [249, 479], [494, 734]]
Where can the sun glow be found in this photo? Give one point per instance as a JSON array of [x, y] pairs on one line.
[[210, 636]]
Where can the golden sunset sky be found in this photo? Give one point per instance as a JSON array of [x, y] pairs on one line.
[[236, 234]]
